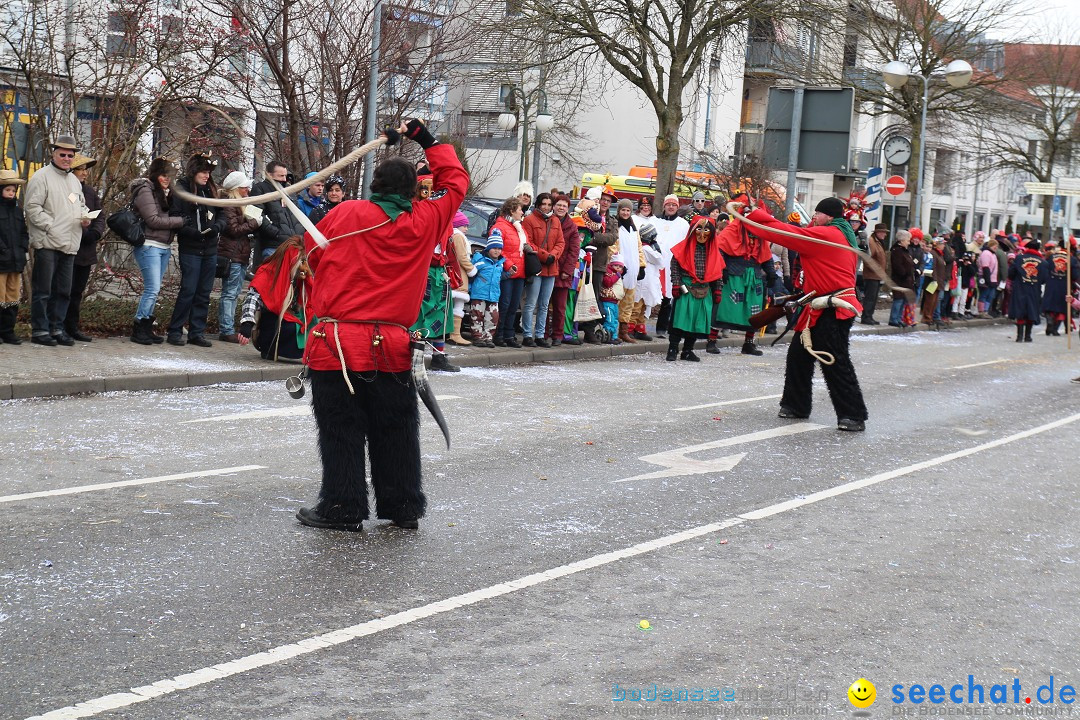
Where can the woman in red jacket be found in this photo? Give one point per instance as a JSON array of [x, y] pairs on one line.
[[508, 229], [545, 235], [567, 265]]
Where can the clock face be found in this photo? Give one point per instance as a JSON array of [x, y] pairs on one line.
[[897, 150]]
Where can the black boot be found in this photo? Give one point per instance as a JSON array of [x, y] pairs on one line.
[[439, 361], [688, 351], [1019, 332], [749, 348], [8, 315], [672, 349], [710, 347], [140, 332], [158, 339], [1027, 331]]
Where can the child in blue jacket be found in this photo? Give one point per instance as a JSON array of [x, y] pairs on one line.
[[484, 292]]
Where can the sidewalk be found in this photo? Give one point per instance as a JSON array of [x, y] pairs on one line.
[[110, 364]]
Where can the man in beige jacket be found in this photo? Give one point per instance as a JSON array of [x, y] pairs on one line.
[[55, 211]]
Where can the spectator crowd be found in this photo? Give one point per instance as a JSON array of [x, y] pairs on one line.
[[552, 270]]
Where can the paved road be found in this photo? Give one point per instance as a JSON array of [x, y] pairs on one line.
[[767, 556]]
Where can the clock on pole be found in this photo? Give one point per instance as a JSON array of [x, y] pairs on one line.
[[897, 150]]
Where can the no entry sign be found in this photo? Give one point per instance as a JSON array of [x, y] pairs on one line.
[[895, 185]]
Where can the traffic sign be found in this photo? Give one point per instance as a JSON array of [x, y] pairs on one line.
[[1040, 188], [895, 185], [1069, 186]]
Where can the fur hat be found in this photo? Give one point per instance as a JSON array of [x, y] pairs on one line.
[[234, 180], [161, 166], [831, 206], [916, 234], [523, 188], [200, 163]]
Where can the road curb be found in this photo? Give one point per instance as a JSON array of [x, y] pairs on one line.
[[463, 357]]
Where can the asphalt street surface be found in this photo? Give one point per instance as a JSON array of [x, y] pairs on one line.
[[556, 568]]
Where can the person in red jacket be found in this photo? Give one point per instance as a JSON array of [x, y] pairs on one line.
[[507, 229], [369, 282], [827, 270], [545, 235]]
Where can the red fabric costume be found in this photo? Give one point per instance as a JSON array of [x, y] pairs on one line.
[[736, 242], [274, 290], [685, 250], [378, 276], [824, 269]]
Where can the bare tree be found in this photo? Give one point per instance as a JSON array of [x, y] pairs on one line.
[[1040, 102], [926, 35], [656, 45]]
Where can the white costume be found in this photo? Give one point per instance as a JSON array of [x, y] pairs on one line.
[[669, 233]]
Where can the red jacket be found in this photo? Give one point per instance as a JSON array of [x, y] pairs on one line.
[[378, 275], [546, 237], [511, 246], [569, 261], [825, 269]]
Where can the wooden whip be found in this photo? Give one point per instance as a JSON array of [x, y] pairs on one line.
[[291, 189], [734, 210]]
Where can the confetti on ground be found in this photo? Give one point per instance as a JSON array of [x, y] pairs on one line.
[[722, 542]]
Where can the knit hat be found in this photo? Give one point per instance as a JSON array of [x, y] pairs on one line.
[[236, 179], [698, 196], [647, 233], [645, 200], [66, 142], [624, 203], [495, 241], [673, 197], [10, 177], [831, 206], [460, 220], [335, 180], [82, 161]]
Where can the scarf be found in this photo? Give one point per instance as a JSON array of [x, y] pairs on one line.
[[845, 227], [628, 224], [392, 205], [685, 251]]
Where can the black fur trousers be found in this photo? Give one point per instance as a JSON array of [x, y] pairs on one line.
[[384, 413], [829, 335]]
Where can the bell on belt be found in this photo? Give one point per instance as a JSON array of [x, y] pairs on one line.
[[295, 384]]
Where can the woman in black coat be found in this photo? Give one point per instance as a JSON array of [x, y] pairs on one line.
[[14, 247], [902, 272]]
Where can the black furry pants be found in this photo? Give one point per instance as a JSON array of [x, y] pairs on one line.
[[829, 335], [384, 414]]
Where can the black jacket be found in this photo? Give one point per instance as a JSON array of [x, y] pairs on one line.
[[282, 225], [202, 223], [14, 239], [87, 254]]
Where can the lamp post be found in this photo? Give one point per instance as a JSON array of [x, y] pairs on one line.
[[543, 122], [896, 75]]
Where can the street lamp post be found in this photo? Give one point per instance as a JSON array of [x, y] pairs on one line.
[[896, 74], [543, 122]]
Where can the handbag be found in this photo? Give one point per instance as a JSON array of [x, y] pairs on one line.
[[532, 262], [222, 269], [127, 225], [587, 308]]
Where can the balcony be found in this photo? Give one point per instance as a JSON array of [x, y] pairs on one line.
[[864, 79], [772, 59]]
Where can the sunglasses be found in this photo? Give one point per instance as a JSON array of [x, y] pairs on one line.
[[66, 155]]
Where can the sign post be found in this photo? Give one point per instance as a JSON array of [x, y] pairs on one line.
[[895, 186]]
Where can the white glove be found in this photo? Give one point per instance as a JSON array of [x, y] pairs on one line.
[[1001, 285]]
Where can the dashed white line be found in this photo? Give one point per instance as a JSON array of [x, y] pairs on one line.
[[280, 653], [728, 402], [301, 410], [127, 483], [979, 364]]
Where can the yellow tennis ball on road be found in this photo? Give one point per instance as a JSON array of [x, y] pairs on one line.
[[644, 625], [862, 693]]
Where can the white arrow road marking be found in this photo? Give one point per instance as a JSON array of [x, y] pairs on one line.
[[728, 402], [676, 462], [128, 483], [291, 411], [340, 636]]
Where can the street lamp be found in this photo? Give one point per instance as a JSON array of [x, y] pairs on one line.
[[896, 75], [543, 122]]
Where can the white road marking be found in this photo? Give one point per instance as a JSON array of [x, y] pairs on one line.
[[281, 653], [677, 463], [290, 411], [979, 364], [728, 402], [127, 483]]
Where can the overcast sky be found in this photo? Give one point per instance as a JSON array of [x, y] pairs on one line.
[[1060, 18]]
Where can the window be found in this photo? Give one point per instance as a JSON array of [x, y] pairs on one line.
[[122, 30], [803, 186], [944, 165]]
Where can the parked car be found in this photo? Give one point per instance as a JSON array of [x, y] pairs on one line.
[[479, 211]]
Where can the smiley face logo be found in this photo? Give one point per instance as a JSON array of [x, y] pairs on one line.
[[862, 693]]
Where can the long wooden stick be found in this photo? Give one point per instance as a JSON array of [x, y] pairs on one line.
[[1068, 293], [734, 210]]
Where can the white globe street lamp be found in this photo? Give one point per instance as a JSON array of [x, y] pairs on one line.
[[896, 75], [544, 122], [506, 121]]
